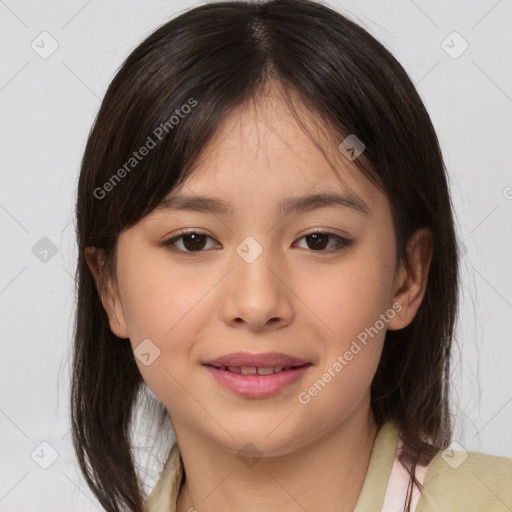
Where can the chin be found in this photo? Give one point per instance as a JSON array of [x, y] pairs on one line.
[[258, 439]]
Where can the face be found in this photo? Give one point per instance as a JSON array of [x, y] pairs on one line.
[[254, 278]]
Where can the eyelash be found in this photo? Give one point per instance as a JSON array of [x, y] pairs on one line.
[[342, 243]]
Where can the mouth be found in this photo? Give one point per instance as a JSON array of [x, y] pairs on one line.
[[257, 375], [258, 370], [266, 361]]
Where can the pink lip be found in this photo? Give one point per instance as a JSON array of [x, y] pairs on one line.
[[257, 386], [255, 360]]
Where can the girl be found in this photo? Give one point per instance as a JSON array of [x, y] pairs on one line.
[[267, 247]]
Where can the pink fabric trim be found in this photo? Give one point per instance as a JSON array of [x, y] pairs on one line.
[[396, 490]]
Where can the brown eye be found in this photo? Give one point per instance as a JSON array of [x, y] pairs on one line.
[[191, 242], [319, 241], [194, 241]]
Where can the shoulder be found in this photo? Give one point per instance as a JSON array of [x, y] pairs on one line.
[[467, 481]]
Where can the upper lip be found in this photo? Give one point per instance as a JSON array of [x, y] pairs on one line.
[[256, 360]]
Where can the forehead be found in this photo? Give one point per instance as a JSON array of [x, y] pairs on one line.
[[260, 154]]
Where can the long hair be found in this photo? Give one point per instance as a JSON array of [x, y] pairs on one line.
[[213, 59]]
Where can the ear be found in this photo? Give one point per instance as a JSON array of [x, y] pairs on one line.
[[108, 293], [410, 286]]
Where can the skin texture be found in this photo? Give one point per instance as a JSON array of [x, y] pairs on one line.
[[291, 299]]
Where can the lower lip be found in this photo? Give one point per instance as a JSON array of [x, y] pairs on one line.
[[257, 386]]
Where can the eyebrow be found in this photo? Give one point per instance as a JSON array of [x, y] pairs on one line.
[[287, 206]]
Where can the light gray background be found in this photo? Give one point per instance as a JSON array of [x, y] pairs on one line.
[[48, 106]]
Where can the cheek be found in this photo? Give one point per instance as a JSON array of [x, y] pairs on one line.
[[159, 298], [350, 301], [350, 296], [168, 305]]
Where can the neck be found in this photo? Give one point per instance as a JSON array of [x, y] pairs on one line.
[[324, 475]]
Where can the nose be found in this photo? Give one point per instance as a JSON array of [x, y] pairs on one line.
[[256, 295]]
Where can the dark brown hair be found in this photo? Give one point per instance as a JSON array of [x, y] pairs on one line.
[[220, 55]]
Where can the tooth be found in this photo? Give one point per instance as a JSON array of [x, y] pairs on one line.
[[248, 370], [278, 368], [233, 369], [269, 370]]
